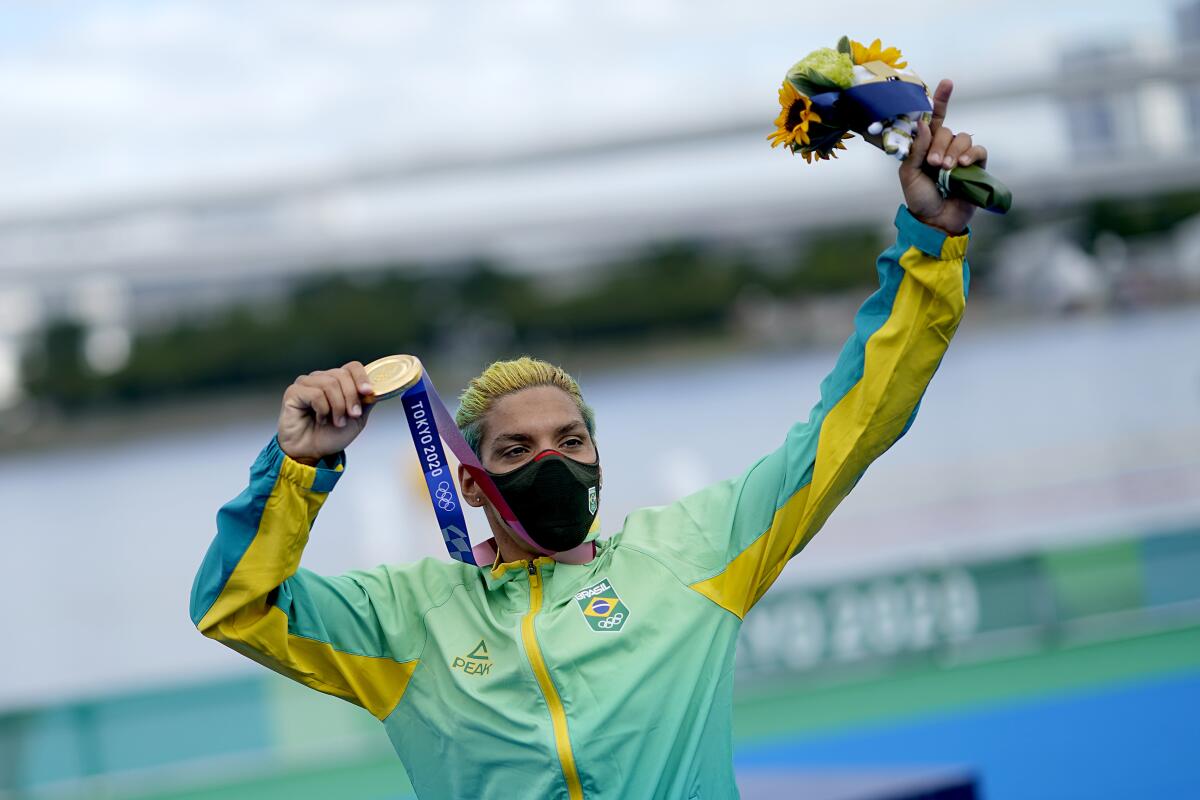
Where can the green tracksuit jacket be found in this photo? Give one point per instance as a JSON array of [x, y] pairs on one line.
[[611, 679]]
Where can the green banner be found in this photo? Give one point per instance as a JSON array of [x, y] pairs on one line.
[[976, 610]]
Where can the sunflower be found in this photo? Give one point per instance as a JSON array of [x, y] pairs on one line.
[[875, 52], [795, 116], [826, 149]]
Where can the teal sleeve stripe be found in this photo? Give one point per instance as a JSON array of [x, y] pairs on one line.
[[912, 232], [770, 483], [238, 523], [345, 611], [716, 524], [928, 240], [329, 471]]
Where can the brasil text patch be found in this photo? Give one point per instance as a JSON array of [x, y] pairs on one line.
[[601, 607]]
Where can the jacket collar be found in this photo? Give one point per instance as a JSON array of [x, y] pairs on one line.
[[501, 572]]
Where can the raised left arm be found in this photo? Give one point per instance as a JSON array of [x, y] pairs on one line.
[[756, 522], [731, 540]]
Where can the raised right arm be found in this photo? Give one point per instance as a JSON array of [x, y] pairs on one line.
[[351, 636], [347, 635]]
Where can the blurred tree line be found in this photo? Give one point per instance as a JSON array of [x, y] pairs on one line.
[[1132, 218], [474, 311], [469, 313]]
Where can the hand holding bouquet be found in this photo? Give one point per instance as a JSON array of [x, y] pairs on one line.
[[867, 90]]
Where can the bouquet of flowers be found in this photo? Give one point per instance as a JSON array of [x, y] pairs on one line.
[[831, 94]]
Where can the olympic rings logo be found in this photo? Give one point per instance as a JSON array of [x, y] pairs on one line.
[[612, 622], [444, 497]]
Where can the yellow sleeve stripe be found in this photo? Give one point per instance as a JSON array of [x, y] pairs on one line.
[[274, 553], [242, 618], [899, 360], [376, 684]]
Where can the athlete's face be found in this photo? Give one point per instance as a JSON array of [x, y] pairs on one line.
[[522, 424], [517, 428]]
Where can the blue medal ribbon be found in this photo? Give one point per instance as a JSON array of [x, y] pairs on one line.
[[439, 480]]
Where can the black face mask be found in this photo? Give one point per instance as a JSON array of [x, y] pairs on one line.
[[554, 497]]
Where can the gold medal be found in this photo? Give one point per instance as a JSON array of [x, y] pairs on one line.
[[391, 375]]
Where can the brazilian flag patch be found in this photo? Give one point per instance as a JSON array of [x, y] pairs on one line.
[[602, 608]]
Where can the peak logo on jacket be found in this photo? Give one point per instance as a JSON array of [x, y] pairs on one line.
[[602, 608], [476, 662]]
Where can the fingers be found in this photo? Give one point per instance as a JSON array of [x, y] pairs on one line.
[[941, 101], [306, 395], [976, 155], [957, 151], [350, 398], [359, 374], [920, 146], [949, 151], [942, 137], [333, 393], [336, 394], [335, 399]]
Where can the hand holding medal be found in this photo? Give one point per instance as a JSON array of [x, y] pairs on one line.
[[324, 411], [831, 94]]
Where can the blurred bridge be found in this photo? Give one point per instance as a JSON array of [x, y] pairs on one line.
[[1111, 123], [1117, 124]]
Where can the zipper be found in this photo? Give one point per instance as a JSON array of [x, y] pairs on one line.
[[558, 715]]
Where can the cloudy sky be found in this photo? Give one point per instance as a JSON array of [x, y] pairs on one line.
[[112, 98]]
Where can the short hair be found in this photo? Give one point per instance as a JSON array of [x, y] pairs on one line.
[[506, 377]]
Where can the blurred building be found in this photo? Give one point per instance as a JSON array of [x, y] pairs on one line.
[[1104, 122], [1187, 27]]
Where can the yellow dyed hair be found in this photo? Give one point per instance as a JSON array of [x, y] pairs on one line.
[[505, 377]]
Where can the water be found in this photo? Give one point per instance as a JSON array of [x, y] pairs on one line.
[[1083, 427]]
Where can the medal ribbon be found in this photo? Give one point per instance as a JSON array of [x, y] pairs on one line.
[[447, 505]]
